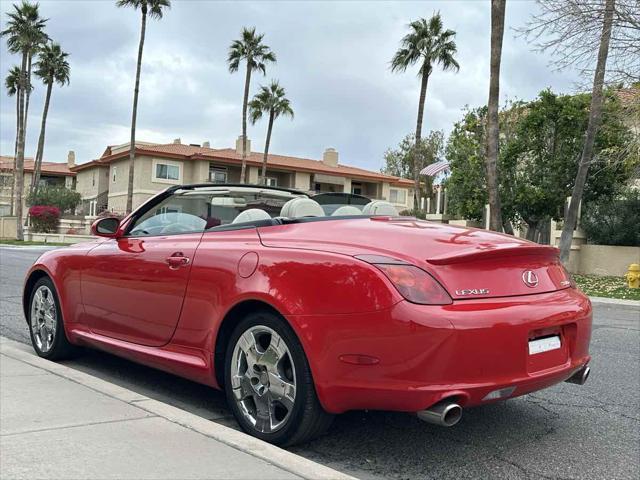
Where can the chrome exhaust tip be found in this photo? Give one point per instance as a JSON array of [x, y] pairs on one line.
[[445, 414], [580, 377]]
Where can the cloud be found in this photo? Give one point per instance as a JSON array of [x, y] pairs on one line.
[[333, 60]]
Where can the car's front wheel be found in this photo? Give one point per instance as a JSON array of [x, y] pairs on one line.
[[46, 326], [268, 382]]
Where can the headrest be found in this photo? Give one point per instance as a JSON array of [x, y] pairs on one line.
[[251, 215], [346, 210], [301, 207], [379, 207]]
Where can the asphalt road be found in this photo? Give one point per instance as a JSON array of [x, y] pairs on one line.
[[565, 432]]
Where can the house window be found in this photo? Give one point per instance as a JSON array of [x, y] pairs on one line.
[[356, 188], [6, 180], [217, 174], [167, 172], [271, 181], [93, 179], [398, 196], [115, 172]]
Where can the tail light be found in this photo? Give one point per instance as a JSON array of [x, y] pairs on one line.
[[415, 284]]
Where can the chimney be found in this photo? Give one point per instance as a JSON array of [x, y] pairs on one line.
[[206, 144], [177, 141], [330, 157], [239, 146], [71, 159]]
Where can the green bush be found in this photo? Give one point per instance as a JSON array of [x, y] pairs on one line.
[[414, 213], [613, 221], [63, 198]]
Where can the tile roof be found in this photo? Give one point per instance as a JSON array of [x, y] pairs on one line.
[[50, 168], [229, 155]]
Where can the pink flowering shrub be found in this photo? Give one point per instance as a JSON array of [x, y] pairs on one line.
[[44, 218]]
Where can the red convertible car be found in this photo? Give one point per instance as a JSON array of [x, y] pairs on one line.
[[298, 316]]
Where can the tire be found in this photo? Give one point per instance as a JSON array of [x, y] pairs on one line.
[[251, 392], [47, 333]]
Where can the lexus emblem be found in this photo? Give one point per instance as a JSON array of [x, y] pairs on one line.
[[530, 279]]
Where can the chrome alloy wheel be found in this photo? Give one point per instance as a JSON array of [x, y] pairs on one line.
[[263, 378], [44, 319]]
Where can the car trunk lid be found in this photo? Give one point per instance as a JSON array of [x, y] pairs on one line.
[[469, 263]]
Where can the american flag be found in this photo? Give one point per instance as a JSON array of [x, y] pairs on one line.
[[435, 168]]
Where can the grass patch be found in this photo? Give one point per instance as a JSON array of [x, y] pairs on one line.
[[25, 242], [610, 287]]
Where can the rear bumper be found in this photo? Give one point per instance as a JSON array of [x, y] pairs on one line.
[[416, 355]]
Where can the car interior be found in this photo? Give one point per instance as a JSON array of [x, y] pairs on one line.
[[192, 211]]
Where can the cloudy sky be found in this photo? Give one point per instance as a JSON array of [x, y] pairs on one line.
[[333, 60]]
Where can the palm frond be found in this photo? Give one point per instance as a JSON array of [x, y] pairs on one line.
[[271, 100], [249, 48], [12, 81], [426, 41], [52, 65]]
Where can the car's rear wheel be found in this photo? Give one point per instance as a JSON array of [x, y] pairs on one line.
[[268, 382], [46, 326]]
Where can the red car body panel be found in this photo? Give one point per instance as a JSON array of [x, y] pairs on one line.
[[368, 347]]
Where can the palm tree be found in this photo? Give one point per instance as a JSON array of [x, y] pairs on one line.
[[269, 100], [52, 66], [153, 9], [12, 84], [427, 44], [493, 132], [25, 34], [256, 54]]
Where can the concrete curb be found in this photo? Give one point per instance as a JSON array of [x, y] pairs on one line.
[[615, 301], [283, 459]]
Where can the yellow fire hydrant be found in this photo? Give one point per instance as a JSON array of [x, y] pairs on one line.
[[633, 275]]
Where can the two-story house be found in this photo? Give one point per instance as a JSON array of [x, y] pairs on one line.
[[51, 173], [103, 182]]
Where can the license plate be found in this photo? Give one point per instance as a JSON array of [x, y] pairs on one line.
[[544, 344]]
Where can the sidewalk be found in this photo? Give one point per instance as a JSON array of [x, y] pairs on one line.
[[56, 422]]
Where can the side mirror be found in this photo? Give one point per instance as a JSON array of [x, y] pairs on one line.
[[105, 227]]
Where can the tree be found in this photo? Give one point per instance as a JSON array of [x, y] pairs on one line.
[[540, 145], [256, 54], [12, 84], [565, 24], [572, 29], [613, 221], [270, 100], [400, 161], [493, 132], [153, 9], [25, 33], [427, 44], [52, 67], [465, 152], [61, 197]]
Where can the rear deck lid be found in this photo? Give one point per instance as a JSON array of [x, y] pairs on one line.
[[469, 263]]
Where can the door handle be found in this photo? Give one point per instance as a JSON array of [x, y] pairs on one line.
[[177, 260]]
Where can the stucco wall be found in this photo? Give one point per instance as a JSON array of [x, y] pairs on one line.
[[302, 181], [606, 260], [8, 227], [92, 182]]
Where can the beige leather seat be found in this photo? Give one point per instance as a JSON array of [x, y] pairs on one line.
[[301, 207], [346, 210], [379, 207], [251, 215]]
